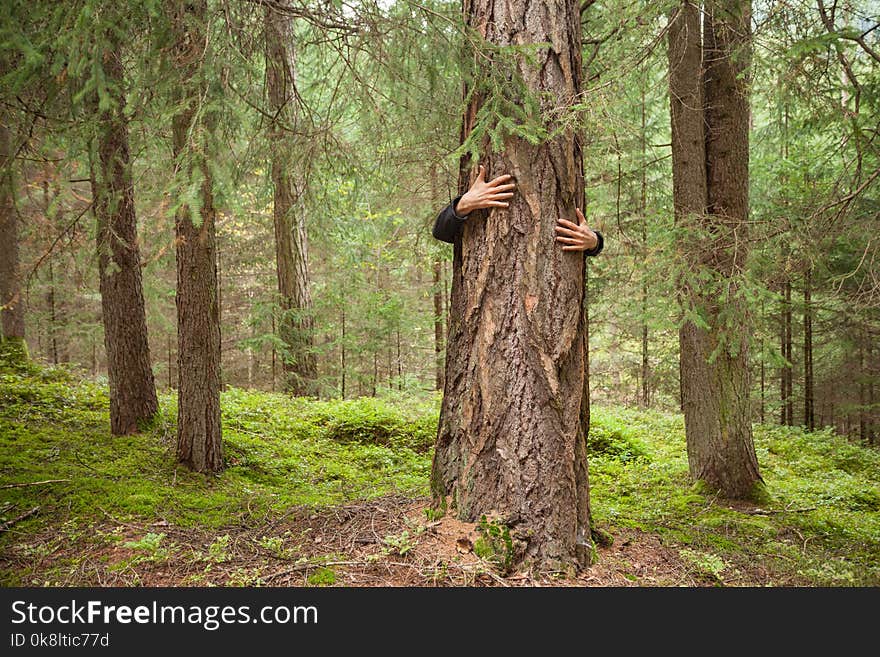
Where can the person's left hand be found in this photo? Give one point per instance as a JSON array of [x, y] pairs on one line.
[[575, 236]]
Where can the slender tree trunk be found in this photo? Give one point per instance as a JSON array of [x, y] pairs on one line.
[[809, 418], [273, 354], [787, 378], [863, 389], [53, 318], [399, 363], [291, 244], [646, 390], [129, 366], [343, 353], [511, 438], [199, 443], [762, 367], [12, 339], [872, 377], [710, 187]]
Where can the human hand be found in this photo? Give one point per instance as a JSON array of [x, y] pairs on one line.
[[575, 236], [484, 194]]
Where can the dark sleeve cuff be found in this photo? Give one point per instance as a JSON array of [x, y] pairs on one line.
[[460, 217], [448, 224], [599, 245]]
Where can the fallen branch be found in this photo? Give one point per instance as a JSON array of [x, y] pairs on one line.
[[34, 483], [27, 514], [767, 512]]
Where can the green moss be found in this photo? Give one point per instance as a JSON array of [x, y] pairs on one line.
[[279, 453], [818, 521], [611, 437], [824, 515], [322, 577]]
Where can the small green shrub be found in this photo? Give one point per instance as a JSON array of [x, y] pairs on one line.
[[612, 438], [373, 421], [495, 544], [322, 577]]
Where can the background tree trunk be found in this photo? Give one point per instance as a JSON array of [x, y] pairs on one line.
[[809, 416], [11, 301], [198, 320], [511, 439], [710, 188], [129, 371], [786, 410], [296, 327]]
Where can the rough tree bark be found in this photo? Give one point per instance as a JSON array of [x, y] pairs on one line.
[[296, 327], [129, 367], [11, 302], [709, 114], [198, 320], [512, 436]]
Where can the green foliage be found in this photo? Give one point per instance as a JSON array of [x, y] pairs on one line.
[[705, 564], [495, 544], [279, 453], [819, 523], [373, 421], [322, 577], [436, 513], [399, 544], [613, 437]]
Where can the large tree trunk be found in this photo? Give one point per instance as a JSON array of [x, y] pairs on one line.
[[11, 302], [511, 438], [198, 320], [129, 367], [296, 327], [710, 187]]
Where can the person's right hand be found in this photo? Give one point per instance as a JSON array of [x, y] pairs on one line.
[[484, 194]]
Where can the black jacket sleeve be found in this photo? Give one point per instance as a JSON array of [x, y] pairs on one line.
[[448, 225], [599, 244]]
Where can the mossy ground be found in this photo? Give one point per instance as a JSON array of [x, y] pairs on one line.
[[286, 458]]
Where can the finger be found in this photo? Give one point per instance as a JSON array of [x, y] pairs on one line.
[[497, 204], [500, 179], [496, 197], [569, 233], [568, 240], [482, 174], [571, 248], [580, 216], [504, 188], [567, 224]]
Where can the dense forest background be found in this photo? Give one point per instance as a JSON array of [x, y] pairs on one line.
[[378, 107]]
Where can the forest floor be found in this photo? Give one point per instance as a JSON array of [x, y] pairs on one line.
[[332, 493]]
